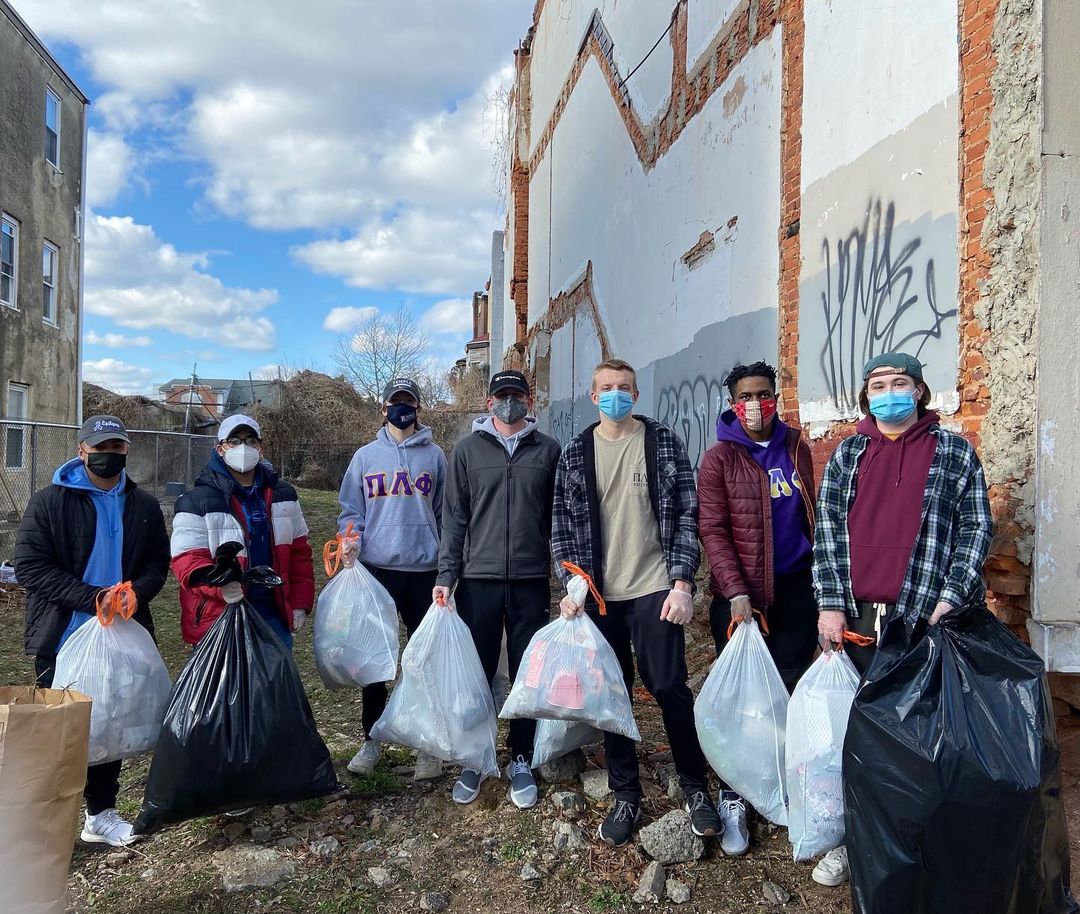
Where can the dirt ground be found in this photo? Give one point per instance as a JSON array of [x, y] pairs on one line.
[[472, 857]]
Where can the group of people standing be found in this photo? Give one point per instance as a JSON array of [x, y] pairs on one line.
[[901, 526]]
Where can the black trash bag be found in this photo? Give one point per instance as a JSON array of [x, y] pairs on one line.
[[238, 731], [952, 787]]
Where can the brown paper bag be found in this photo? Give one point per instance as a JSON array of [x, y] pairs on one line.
[[44, 743]]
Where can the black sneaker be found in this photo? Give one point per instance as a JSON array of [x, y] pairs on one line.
[[705, 822], [617, 828]]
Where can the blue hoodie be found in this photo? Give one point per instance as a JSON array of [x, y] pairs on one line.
[[392, 495], [792, 551], [105, 567]]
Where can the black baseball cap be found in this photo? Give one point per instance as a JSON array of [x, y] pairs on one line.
[[102, 428], [399, 386], [508, 380]]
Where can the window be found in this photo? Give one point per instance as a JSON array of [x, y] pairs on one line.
[[18, 401], [52, 127], [9, 258], [49, 257]]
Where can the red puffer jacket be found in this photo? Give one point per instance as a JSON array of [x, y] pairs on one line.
[[735, 521]]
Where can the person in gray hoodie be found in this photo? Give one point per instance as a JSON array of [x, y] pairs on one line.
[[496, 531], [392, 496]]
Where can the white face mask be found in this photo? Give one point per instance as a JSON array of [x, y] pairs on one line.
[[242, 458]]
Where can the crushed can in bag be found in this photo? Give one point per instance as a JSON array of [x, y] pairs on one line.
[[442, 705], [741, 717]]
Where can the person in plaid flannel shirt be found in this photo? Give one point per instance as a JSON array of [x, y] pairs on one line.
[[903, 523]]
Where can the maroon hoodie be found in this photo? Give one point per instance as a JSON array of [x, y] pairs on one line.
[[887, 512]]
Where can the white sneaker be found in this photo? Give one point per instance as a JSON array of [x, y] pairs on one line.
[[427, 767], [364, 762], [107, 828], [522, 792], [732, 809], [832, 869]]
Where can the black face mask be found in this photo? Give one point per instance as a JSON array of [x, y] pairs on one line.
[[401, 415], [106, 464]]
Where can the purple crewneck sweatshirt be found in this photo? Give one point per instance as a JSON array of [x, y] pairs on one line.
[[792, 551]]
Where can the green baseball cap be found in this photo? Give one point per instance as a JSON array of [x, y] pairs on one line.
[[900, 361]]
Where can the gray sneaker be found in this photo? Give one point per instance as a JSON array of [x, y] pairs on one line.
[[522, 791], [467, 787]]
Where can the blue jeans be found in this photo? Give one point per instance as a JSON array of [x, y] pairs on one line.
[[278, 625]]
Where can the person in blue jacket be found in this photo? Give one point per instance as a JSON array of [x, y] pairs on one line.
[[392, 496]]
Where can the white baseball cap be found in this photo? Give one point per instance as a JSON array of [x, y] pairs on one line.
[[232, 423]]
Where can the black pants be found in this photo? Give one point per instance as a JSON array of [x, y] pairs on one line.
[[661, 657], [411, 593], [866, 624], [792, 620], [523, 607], [102, 781]]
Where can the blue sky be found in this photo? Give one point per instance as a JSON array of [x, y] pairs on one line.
[[261, 174]]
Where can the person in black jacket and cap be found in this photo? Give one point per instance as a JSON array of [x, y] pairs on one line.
[[91, 530], [499, 489]]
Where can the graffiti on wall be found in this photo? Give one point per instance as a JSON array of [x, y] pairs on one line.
[[691, 408], [879, 296], [562, 423]]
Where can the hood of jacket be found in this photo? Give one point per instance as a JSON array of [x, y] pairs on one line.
[[729, 428], [216, 474], [915, 435], [72, 475]]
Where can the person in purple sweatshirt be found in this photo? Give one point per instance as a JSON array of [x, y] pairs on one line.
[[756, 503]]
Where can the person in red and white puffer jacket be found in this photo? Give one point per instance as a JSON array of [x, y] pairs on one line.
[[240, 498]]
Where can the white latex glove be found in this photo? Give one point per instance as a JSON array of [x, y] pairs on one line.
[[831, 624], [940, 610], [350, 550], [299, 617], [678, 608], [232, 593], [740, 608], [439, 591], [577, 591]]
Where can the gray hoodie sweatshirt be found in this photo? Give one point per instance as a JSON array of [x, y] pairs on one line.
[[392, 494]]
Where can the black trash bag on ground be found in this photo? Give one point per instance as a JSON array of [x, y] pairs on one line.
[[238, 731], [952, 785]]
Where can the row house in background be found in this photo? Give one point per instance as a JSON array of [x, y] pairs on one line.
[[42, 207]]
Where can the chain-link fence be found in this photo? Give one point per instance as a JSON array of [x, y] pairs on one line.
[[162, 463]]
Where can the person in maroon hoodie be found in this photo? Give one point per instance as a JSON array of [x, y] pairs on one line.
[[756, 522], [904, 524]]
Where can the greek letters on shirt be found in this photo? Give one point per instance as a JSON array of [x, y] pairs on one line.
[[779, 487], [385, 485]]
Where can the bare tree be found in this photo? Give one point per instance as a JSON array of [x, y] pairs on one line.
[[384, 346]]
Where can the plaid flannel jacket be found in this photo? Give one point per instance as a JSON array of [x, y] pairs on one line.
[[575, 527], [954, 536]]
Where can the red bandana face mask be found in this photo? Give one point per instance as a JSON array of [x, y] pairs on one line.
[[755, 414]]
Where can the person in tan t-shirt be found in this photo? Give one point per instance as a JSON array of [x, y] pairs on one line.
[[625, 512]]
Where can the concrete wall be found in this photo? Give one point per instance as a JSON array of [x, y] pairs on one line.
[[45, 202]]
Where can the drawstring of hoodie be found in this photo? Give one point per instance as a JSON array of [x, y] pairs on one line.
[[900, 465]]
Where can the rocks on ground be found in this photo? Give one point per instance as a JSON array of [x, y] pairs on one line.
[[569, 837], [530, 873], [775, 894], [246, 866], [651, 887], [325, 847], [670, 840], [563, 770], [567, 801], [381, 877], [595, 783], [677, 892], [434, 901]]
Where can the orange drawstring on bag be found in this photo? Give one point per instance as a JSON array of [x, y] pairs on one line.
[[856, 639], [734, 622], [574, 569], [116, 601], [333, 549]]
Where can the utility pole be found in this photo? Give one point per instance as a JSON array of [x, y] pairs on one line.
[[189, 397]]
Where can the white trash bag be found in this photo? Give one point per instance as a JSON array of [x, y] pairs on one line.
[[741, 714], [816, 724], [356, 631], [570, 672], [114, 660], [442, 704], [556, 738]]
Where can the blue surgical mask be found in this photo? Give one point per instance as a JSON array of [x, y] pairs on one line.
[[616, 404], [894, 406]]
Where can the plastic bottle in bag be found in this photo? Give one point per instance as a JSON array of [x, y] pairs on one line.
[[741, 716], [816, 723]]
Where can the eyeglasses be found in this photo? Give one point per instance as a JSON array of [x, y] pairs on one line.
[[236, 442]]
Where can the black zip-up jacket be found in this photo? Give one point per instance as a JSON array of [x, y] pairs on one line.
[[496, 521], [53, 547]]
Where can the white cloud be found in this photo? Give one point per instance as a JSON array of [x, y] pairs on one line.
[[140, 282], [452, 315], [342, 320], [115, 340], [108, 167], [117, 376]]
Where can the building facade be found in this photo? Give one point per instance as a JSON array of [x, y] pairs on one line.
[[702, 182], [42, 210]]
